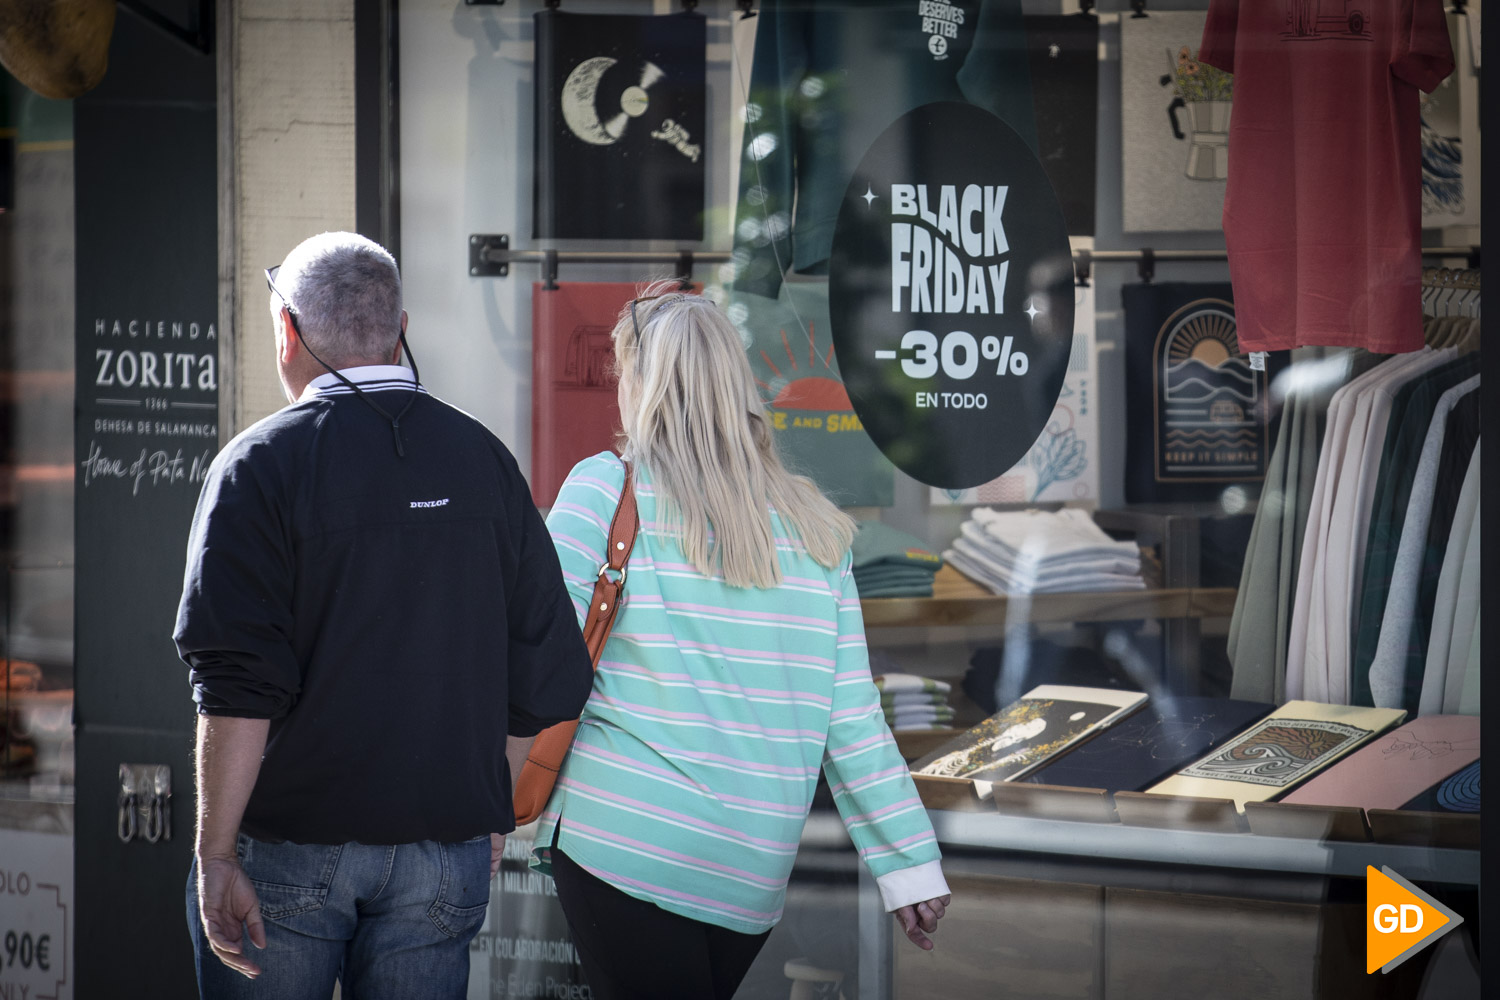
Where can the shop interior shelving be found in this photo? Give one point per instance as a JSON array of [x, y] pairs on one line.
[[958, 601]]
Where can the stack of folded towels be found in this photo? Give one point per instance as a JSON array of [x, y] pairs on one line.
[[1037, 551], [891, 563], [914, 703]]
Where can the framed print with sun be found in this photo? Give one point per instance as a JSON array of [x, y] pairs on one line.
[[1209, 403], [818, 434], [1199, 417]]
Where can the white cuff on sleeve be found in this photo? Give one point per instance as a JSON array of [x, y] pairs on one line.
[[908, 886]]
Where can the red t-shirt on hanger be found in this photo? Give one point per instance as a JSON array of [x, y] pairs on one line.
[[1322, 215]]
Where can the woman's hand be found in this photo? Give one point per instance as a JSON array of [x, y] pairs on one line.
[[922, 917]]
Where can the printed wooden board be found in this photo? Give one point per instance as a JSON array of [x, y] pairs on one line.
[[1279, 752], [1036, 727]]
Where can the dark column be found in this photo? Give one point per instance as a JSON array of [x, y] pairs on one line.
[[147, 425]]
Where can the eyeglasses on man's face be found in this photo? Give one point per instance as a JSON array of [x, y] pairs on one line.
[[271, 273]]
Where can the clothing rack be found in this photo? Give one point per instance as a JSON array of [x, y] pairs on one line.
[[1449, 291], [490, 256]]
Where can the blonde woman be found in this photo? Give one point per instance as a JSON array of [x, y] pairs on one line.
[[736, 672]]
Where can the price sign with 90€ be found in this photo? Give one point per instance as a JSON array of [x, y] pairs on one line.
[[951, 295]]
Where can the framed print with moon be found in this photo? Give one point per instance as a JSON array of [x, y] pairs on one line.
[[620, 106]]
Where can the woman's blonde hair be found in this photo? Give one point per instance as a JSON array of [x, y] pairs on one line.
[[693, 418]]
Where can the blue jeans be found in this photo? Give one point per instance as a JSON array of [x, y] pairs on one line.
[[386, 922]]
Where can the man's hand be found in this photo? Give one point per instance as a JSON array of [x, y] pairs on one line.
[[497, 848], [922, 917], [227, 906]]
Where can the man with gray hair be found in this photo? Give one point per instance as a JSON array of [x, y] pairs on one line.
[[371, 604]]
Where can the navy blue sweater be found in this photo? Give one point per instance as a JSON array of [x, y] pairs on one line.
[[393, 617]]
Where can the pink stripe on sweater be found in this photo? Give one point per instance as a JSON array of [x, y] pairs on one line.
[[611, 837], [867, 741], [583, 512], [610, 488], [591, 553], [882, 811], [631, 668], [654, 809], [586, 750], [897, 845], [749, 765], [869, 779], [652, 712], [756, 615], [709, 647]]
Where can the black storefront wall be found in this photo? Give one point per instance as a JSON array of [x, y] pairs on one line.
[[146, 426]]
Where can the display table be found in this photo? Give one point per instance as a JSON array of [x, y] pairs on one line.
[[1061, 904]]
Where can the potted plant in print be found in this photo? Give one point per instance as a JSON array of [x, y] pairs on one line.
[[1203, 95]]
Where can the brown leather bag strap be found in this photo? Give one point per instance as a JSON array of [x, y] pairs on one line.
[[608, 589], [550, 748]]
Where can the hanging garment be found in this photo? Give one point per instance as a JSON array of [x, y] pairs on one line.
[[1411, 413], [1322, 212], [1064, 57], [1359, 417], [1391, 685], [1259, 632], [1468, 698], [1307, 644], [1455, 607], [827, 80]]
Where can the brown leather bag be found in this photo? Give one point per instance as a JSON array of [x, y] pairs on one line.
[[552, 744]]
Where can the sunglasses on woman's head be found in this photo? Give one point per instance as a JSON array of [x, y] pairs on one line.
[[649, 298]]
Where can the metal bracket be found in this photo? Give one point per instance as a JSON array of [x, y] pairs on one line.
[[1083, 262], [1139, 6], [746, 8], [1085, 6], [685, 269], [549, 270], [145, 804], [1146, 267], [690, 5], [489, 255]]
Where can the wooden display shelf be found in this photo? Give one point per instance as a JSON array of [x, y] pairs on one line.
[[957, 600]]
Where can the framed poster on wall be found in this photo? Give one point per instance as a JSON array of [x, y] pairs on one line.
[[1174, 119]]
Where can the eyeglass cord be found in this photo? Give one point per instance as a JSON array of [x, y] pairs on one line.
[[394, 421]]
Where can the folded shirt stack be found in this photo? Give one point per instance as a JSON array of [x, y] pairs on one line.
[[914, 703], [1036, 551], [891, 563]]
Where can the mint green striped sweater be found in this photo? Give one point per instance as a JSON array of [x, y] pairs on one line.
[[713, 709]]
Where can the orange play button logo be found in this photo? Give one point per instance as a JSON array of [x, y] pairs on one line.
[[1400, 920]]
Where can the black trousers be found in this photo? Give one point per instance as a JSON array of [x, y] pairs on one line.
[[632, 949]]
